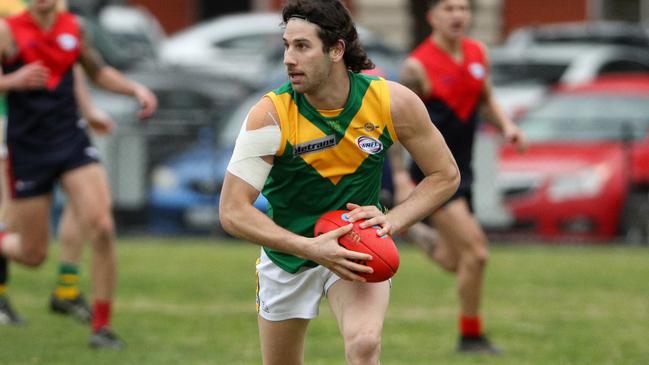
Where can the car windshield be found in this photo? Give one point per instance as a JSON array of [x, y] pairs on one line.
[[505, 72], [588, 117]]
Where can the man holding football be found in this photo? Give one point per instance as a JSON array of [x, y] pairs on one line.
[[317, 144]]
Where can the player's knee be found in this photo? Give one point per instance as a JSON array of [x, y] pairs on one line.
[[477, 256], [482, 256], [34, 258], [363, 348], [101, 227], [475, 249], [449, 266]]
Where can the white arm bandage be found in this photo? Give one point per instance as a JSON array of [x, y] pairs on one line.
[[246, 162]]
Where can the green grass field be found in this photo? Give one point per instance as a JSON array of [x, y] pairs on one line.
[[184, 301]]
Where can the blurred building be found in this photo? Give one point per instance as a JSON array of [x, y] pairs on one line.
[[403, 23]]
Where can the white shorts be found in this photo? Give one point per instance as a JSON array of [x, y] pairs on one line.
[[282, 295]]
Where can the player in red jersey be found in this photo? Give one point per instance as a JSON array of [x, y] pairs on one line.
[[38, 51], [449, 71], [66, 298]]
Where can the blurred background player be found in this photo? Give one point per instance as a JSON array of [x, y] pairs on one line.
[[450, 73], [66, 297], [46, 144], [299, 145], [7, 314]]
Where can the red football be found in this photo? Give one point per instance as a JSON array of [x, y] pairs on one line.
[[385, 257]]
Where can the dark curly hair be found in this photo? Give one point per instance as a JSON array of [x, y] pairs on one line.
[[334, 22]]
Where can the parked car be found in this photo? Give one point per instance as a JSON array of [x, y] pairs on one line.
[[586, 172], [136, 30], [591, 32], [250, 46], [189, 103], [185, 189], [522, 76]]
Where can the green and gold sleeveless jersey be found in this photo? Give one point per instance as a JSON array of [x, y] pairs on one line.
[[327, 158]]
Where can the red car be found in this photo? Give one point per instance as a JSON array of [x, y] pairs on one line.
[[586, 172]]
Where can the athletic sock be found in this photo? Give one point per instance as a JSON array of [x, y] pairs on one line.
[[67, 285], [100, 315], [470, 326]]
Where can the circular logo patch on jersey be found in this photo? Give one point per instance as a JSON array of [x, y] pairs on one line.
[[67, 41], [477, 70], [369, 144]]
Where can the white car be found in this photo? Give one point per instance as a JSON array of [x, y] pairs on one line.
[[593, 32], [238, 45], [249, 47], [523, 75], [134, 28]]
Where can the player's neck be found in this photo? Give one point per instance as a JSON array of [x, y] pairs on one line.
[[450, 45], [333, 94], [44, 19]]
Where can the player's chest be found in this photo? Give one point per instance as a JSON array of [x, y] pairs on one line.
[[54, 46], [334, 149], [452, 76]]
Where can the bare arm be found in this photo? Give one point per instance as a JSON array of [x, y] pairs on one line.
[[413, 76], [29, 77], [110, 79], [403, 184], [426, 145], [99, 121], [5, 40], [493, 113], [240, 218]]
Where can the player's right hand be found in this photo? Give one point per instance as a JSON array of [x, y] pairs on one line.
[[100, 122], [148, 101], [30, 77], [326, 251]]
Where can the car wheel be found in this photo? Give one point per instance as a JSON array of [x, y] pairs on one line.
[[634, 227]]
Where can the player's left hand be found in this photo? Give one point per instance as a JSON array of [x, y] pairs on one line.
[[515, 136], [372, 215], [148, 101]]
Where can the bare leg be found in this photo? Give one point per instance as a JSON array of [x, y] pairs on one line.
[[67, 298], [282, 342], [424, 237], [464, 246], [89, 194], [70, 237], [30, 222], [5, 197], [360, 311]]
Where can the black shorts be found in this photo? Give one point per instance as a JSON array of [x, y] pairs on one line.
[[33, 172]]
